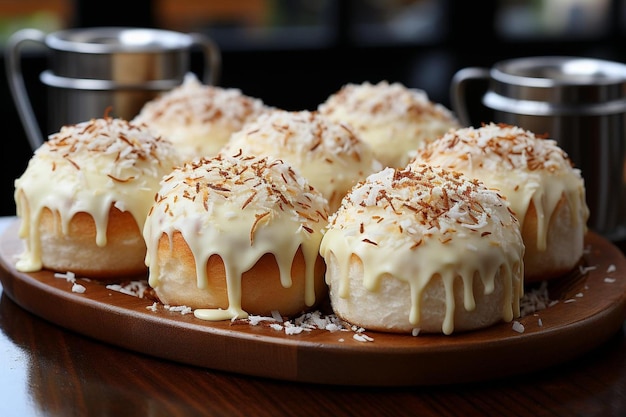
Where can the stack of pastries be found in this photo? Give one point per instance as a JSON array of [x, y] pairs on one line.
[[377, 201]]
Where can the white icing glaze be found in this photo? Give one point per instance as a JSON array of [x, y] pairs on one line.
[[325, 152], [413, 225], [89, 167], [199, 118], [239, 208], [521, 165], [393, 119]]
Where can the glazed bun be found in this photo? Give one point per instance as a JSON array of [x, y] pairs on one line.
[[393, 119], [423, 250], [538, 180], [232, 236], [327, 153], [199, 118], [84, 197]]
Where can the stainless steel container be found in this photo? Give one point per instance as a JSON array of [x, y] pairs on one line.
[[96, 70], [579, 102]]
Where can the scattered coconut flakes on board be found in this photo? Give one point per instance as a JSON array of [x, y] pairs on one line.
[[362, 337], [77, 288], [584, 270], [71, 278], [536, 299], [533, 301], [314, 320], [180, 309], [518, 327], [134, 288]]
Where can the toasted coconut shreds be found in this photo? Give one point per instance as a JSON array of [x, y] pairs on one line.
[[71, 278], [135, 288], [306, 322], [533, 301]]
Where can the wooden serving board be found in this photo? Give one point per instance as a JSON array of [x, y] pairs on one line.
[[590, 310]]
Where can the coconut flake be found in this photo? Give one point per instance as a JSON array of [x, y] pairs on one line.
[[77, 288], [518, 327]]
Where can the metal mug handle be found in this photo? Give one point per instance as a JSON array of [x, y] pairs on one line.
[[212, 73], [458, 89], [212, 58], [16, 82]]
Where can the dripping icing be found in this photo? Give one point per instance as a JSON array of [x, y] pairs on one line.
[[246, 207], [416, 251], [89, 167]]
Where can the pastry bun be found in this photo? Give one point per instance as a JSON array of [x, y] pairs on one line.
[[395, 120], [199, 118], [327, 153], [232, 236], [84, 197], [76, 250], [536, 176], [423, 250]]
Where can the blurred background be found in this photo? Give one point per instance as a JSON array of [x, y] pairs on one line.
[[294, 53]]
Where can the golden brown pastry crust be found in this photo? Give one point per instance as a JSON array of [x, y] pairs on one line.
[[123, 254], [261, 289], [564, 244], [380, 311]]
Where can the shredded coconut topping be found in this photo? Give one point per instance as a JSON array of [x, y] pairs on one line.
[[303, 133], [239, 208], [129, 150], [328, 153], [264, 185], [497, 147], [194, 102], [393, 119], [384, 102], [410, 226], [527, 169], [90, 167], [418, 203], [199, 118]]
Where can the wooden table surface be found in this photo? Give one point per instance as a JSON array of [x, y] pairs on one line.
[[46, 370]]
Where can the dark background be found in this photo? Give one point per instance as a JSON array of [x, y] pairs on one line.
[[300, 72]]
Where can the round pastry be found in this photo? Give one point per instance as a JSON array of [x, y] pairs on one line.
[[199, 118], [393, 119], [232, 236], [538, 180], [423, 250], [327, 153], [84, 197]]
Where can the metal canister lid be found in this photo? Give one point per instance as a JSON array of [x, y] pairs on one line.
[[557, 86], [108, 40]]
